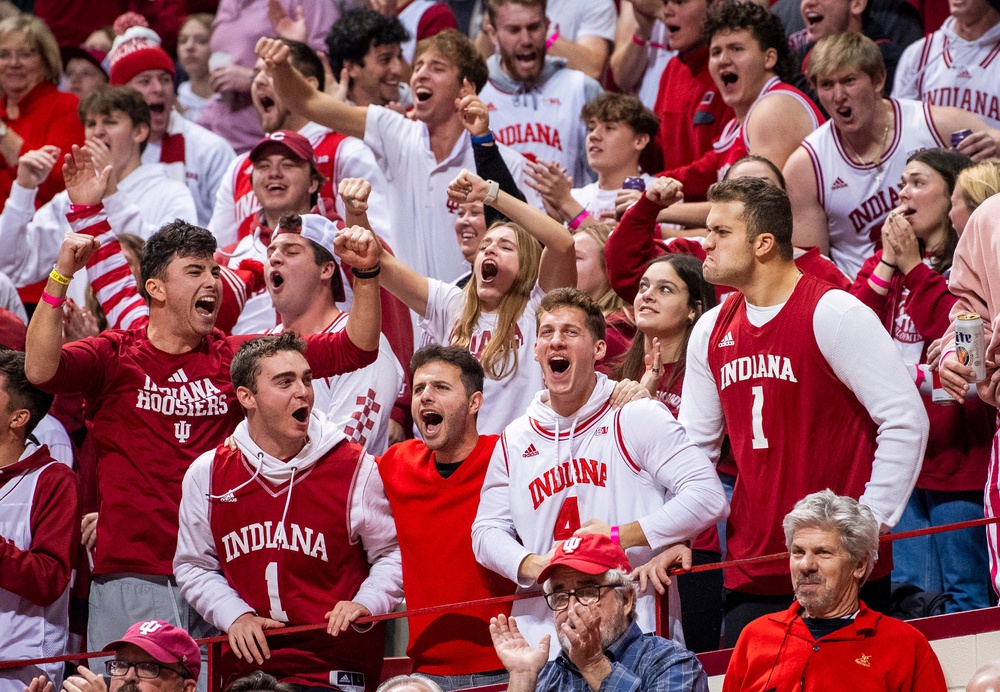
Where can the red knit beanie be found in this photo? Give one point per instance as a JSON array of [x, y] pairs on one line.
[[136, 49]]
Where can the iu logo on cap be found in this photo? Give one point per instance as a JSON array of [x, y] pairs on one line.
[[571, 544], [149, 627]]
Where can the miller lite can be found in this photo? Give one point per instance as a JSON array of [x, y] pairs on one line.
[[634, 183], [957, 137], [969, 347]]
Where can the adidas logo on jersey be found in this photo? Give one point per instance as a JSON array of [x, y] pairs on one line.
[[530, 452], [838, 184], [964, 74], [727, 340], [179, 376]]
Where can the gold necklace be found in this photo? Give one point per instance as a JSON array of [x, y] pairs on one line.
[[877, 161]]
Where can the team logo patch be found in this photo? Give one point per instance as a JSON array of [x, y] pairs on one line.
[[864, 660], [149, 627], [530, 452], [182, 431], [838, 184], [727, 340]]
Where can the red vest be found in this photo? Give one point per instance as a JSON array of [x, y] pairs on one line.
[[245, 201], [795, 428], [423, 504], [297, 571]]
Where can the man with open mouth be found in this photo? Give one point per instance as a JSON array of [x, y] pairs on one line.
[[576, 465], [160, 393], [534, 100], [289, 524], [844, 179], [196, 156], [435, 482], [419, 156]]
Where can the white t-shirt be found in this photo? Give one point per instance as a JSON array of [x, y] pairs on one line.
[[419, 200], [573, 18], [506, 399], [595, 200], [190, 101]]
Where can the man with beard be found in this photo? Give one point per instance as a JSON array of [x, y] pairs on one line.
[[433, 482], [589, 588], [828, 632], [533, 99]]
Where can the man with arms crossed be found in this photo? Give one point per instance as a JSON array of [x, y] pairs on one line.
[[575, 458], [806, 382], [290, 525]]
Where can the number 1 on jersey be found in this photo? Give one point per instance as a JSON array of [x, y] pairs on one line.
[[759, 441], [568, 520], [271, 576]]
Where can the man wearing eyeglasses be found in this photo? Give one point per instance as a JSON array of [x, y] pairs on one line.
[[152, 656], [591, 593]]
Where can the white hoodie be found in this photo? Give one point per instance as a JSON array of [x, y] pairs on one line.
[[634, 463], [946, 70], [196, 564]]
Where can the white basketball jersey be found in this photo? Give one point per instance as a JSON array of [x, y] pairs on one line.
[[958, 73], [543, 123], [857, 197], [410, 17], [28, 630], [560, 478]]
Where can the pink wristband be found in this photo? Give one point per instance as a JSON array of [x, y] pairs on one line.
[[552, 39], [52, 300], [578, 219], [614, 536], [881, 283], [639, 42]]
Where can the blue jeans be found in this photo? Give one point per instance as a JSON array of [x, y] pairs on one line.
[[468, 681], [954, 562]]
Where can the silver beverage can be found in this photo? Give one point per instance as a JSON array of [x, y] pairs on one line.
[[957, 137], [970, 348], [634, 183]]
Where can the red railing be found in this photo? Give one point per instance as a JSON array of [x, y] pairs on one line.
[[714, 662]]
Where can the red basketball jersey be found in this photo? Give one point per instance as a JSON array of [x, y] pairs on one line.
[[294, 564], [795, 428]]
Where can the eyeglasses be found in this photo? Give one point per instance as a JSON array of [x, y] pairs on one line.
[[22, 55], [585, 595], [146, 670]]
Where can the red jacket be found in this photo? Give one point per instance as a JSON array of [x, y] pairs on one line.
[[778, 652], [958, 450]]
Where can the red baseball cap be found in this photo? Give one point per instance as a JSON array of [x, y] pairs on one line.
[[164, 642], [297, 145], [593, 553]]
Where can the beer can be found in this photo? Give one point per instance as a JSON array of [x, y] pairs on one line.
[[957, 137], [938, 394], [634, 183], [970, 348]]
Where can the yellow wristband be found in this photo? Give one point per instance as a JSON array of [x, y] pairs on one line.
[[59, 278]]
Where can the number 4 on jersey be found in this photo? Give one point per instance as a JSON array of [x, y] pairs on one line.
[[568, 520]]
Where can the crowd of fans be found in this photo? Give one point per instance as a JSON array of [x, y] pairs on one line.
[[309, 308]]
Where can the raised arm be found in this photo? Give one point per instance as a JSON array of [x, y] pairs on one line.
[[810, 228], [302, 98], [401, 281], [359, 248], [489, 161], [558, 263], [630, 59]]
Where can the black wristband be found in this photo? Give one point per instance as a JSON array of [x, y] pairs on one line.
[[891, 266], [367, 273]]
